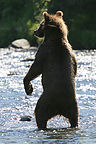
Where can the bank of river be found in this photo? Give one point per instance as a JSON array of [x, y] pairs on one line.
[[14, 103]]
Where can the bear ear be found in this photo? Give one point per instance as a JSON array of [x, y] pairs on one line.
[[46, 15], [59, 14]]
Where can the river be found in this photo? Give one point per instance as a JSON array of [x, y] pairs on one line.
[[14, 103]]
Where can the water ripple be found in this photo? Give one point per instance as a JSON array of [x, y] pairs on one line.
[[14, 103]]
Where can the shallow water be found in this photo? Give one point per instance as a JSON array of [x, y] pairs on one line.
[[14, 103]]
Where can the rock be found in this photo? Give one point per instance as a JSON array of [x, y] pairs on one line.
[[25, 118], [28, 59], [12, 73], [20, 44]]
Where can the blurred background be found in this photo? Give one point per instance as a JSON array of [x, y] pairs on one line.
[[19, 18]]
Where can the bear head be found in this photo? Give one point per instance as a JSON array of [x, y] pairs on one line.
[[52, 25]]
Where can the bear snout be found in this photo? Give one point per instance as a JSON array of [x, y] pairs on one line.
[[39, 33], [35, 32]]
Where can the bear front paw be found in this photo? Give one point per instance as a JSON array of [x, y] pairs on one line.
[[28, 88]]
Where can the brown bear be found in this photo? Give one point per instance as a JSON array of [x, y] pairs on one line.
[[57, 64]]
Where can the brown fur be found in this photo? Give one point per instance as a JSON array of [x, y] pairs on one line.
[[57, 64]]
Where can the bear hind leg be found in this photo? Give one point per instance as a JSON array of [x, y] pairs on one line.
[[42, 117], [73, 121], [73, 116], [43, 112], [41, 121]]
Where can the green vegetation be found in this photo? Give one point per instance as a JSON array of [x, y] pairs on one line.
[[19, 18]]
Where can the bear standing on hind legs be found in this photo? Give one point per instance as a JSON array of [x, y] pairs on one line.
[[58, 66]]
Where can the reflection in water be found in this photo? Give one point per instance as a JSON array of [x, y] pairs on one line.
[[14, 103]]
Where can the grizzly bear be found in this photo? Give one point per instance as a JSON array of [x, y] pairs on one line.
[[58, 66]]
